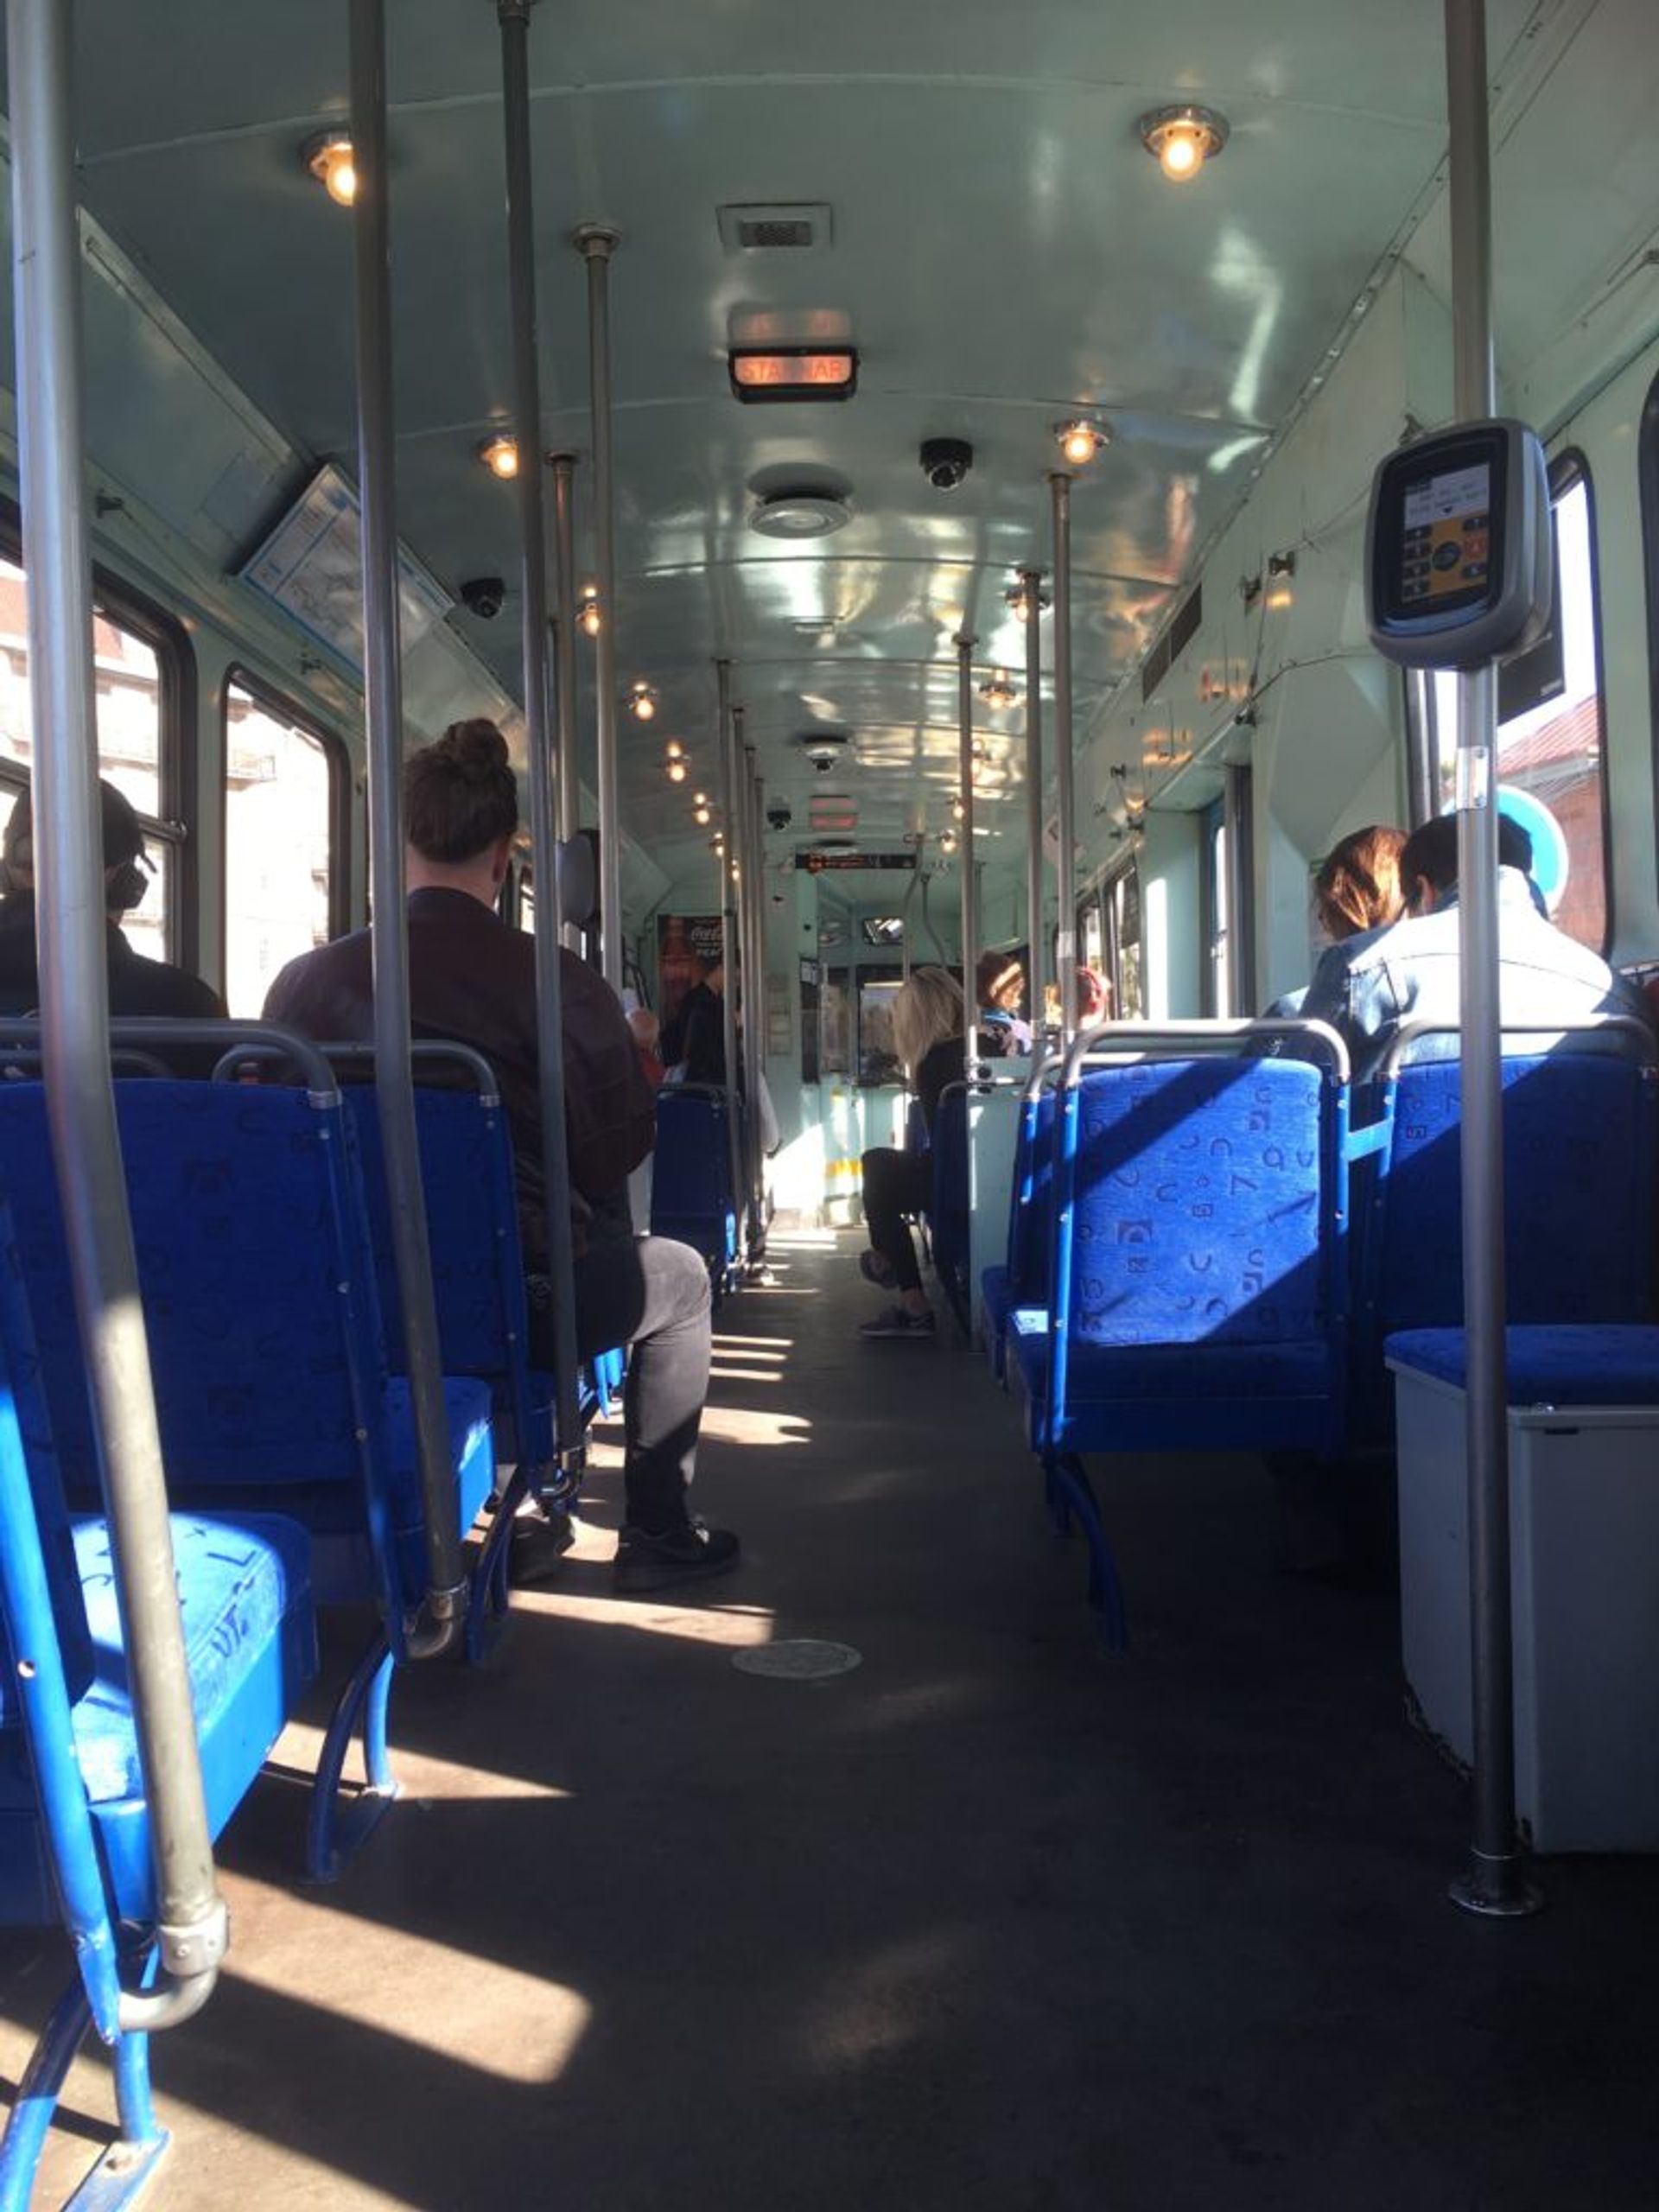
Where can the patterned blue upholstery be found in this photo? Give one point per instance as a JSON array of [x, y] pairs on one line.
[[691, 1197], [949, 1217], [1024, 1280], [264, 1321], [478, 1271], [1579, 1136], [1577, 1364]]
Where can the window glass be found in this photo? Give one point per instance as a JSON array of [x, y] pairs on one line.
[[1549, 752], [1214, 824], [1089, 936], [127, 679], [1123, 920], [279, 812]]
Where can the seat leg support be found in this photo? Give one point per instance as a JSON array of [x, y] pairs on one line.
[[340, 1824], [1070, 1488], [489, 1598], [125, 2167]]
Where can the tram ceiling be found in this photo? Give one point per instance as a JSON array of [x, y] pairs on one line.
[[1002, 252]]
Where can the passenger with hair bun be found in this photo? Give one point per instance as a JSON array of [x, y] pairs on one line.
[[928, 1018], [471, 978], [1357, 887]]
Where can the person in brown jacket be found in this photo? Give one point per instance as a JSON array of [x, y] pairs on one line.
[[474, 979]]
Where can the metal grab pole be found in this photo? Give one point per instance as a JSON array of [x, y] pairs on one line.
[[597, 243], [728, 913], [1065, 949], [192, 1930], [567, 747], [514, 18], [754, 992], [383, 706], [737, 980], [969, 917], [1035, 965], [1495, 1882]]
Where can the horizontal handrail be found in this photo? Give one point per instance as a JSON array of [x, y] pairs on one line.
[[426, 1051], [1127, 1041], [137, 1032], [1619, 1025]]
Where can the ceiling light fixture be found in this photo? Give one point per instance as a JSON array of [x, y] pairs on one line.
[[499, 454], [1080, 440], [997, 690], [330, 160], [1016, 602], [805, 513], [641, 702], [1182, 139], [675, 771], [701, 816], [588, 618], [948, 842]]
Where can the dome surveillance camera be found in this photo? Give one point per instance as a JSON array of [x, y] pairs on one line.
[[945, 461], [484, 596], [777, 815]]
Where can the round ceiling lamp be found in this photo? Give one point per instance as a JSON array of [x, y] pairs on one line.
[[1182, 139], [801, 514]]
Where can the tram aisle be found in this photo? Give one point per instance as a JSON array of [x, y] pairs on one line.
[[991, 1920]]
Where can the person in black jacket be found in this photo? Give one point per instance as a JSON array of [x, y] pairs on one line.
[[137, 985], [473, 978], [928, 1017]]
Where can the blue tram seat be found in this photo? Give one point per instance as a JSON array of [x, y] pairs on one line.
[[1581, 1127], [1023, 1282], [75, 1844], [1197, 1278], [948, 1216], [270, 1371], [691, 1195]]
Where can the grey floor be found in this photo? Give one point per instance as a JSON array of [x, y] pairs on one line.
[[992, 1921]]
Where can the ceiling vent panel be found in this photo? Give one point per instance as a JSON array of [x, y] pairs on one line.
[[790, 226]]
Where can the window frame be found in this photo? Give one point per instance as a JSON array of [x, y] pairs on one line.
[[177, 697], [276, 702], [1647, 478]]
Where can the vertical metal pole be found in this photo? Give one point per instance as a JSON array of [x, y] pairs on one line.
[[566, 744], [738, 978], [729, 925], [1036, 964], [1239, 814], [1066, 950], [74, 999], [1495, 1882], [383, 704], [514, 17], [754, 1008], [597, 243], [965, 847]]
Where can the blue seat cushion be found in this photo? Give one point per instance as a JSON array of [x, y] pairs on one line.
[[1579, 1364], [251, 1637]]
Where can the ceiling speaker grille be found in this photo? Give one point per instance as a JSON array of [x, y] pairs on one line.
[[796, 227]]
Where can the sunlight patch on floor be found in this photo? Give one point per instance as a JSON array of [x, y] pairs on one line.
[[728, 1628], [745, 1425], [458, 2004], [422, 1777]]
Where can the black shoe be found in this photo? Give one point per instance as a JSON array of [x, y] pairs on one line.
[[649, 1562], [537, 1544], [899, 1321]]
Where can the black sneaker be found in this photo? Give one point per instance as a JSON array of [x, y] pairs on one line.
[[876, 1267], [645, 1561], [537, 1544], [899, 1321]]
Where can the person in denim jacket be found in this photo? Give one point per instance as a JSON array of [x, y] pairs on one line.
[[1408, 970]]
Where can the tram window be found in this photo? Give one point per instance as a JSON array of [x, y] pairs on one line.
[[1218, 997], [877, 1055], [1091, 941], [136, 687], [283, 784], [1123, 940], [1549, 742]]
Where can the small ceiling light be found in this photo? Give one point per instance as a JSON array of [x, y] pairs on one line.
[[1081, 441], [674, 750], [699, 798], [1016, 602], [330, 160], [948, 842], [997, 691], [958, 809], [588, 617], [499, 454], [641, 702], [802, 513], [1183, 138], [772, 372], [701, 816], [677, 771]]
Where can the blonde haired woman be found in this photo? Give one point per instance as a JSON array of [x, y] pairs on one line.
[[928, 1018]]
